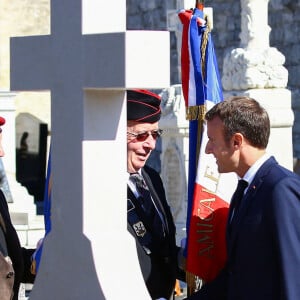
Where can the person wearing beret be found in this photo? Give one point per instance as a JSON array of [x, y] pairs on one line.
[[149, 217], [10, 248]]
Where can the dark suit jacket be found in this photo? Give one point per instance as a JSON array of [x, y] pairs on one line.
[[21, 257], [160, 268], [264, 246]]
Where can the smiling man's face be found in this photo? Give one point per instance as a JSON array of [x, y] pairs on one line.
[[223, 151], [139, 151]]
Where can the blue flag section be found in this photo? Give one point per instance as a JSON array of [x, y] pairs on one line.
[[200, 82], [47, 197]]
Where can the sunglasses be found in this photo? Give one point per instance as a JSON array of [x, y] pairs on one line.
[[142, 136]]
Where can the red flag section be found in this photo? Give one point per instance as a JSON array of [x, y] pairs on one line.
[[207, 252]]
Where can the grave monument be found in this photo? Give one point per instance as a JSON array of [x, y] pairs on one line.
[[87, 62]]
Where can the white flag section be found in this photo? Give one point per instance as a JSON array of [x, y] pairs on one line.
[[223, 185]]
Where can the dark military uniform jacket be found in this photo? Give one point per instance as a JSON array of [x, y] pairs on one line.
[[157, 255]]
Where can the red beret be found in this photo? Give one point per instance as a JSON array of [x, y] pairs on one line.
[[2, 121], [143, 106]]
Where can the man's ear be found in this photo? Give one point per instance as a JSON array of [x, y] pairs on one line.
[[237, 140]]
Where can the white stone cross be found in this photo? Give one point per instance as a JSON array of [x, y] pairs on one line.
[[89, 254]]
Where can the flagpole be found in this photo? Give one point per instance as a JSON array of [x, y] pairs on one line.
[[196, 127]]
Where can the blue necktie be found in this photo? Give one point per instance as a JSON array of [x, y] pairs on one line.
[[237, 199]]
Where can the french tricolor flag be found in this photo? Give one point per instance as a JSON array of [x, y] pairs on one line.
[[209, 192]]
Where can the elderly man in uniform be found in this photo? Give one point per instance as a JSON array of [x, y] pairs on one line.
[[149, 217]]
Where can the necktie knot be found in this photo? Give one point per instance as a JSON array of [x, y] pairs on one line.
[[237, 197], [242, 185], [139, 182], [239, 192]]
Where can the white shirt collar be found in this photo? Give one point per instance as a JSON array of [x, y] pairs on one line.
[[132, 185]]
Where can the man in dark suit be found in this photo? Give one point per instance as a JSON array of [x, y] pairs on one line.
[[10, 248], [149, 217], [263, 231]]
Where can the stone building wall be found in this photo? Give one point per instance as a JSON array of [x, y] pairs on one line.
[[284, 20], [146, 15]]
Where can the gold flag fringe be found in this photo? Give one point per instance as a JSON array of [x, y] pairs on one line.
[[196, 112]]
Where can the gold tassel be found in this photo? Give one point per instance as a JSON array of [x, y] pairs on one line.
[[204, 45], [193, 283]]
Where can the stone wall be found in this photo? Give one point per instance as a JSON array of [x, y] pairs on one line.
[[146, 15], [284, 19]]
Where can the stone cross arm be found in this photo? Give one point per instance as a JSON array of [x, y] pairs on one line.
[[37, 65]]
